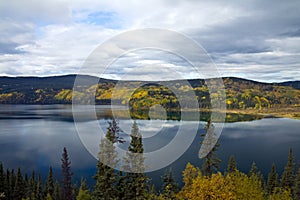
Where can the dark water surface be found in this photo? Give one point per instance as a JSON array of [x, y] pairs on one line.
[[33, 137]]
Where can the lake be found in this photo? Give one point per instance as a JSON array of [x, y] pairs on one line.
[[33, 136]]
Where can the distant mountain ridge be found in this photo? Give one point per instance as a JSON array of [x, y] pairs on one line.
[[241, 93]]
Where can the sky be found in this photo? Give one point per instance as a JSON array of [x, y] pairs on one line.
[[258, 40]]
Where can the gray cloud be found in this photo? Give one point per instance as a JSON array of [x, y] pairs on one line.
[[252, 39]]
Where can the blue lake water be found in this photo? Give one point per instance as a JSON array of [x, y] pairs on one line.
[[33, 137]]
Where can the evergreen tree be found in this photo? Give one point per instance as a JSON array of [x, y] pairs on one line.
[[121, 185], [255, 172], [297, 185], [39, 190], [232, 165], [75, 190], [8, 182], [2, 179], [12, 184], [114, 125], [57, 192], [288, 175], [67, 176], [170, 187], [19, 189], [48, 197], [105, 187], [84, 193], [133, 163], [50, 183], [32, 188], [272, 181], [211, 163], [26, 186]]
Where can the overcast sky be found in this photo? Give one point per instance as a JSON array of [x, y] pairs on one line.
[[257, 40]]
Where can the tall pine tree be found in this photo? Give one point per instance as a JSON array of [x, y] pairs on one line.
[[19, 186], [106, 176], [57, 191], [211, 163], [50, 183], [84, 193], [67, 176], [39, 189], [272, 181], [2, 179], [288, 175], [133, 164], [170, 187], [297, 185], [232, 165]]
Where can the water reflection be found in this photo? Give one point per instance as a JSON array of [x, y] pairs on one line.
[[33, 137]]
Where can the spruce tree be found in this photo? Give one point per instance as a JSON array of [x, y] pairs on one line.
[[12, 184], [57, 191], [272, 181], [134, 165], [288, 175], [255, 172], [32, 188], [75, 190], [8, 188], [50, 183], [297, 185], [2, 179], [19, 189], [232, 165], [211, 163], [83, 193], [170, 187], [114, 125], [121, 185], [67, 176], [39, 189], [105, 187]]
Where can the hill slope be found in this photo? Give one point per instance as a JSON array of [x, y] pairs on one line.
[[241, 93]]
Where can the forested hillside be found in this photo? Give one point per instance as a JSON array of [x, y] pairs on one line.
[[241, 94]]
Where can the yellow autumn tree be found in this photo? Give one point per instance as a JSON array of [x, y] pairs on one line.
[[235, 185]]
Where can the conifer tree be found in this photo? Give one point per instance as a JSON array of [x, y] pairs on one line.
[[255, 172], [50, 183], [57, 191], [133, 163], [12, 183], [67, 176], [288, 175], [19, 189], [272, 181], [75, 190], [8, 188], [32, 188], [2, 179], [297, 185], [48, 197], [121, 185], [211, 163], [105, 187], [39, 190], [83, 193], [170, 187], [232, 165]]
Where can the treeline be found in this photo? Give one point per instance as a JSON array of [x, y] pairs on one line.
[[204, 183], [240, 93]]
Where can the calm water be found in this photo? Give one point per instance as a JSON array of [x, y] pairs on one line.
[[33, 137]]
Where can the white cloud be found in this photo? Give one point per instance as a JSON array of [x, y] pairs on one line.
[[39, 37]]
